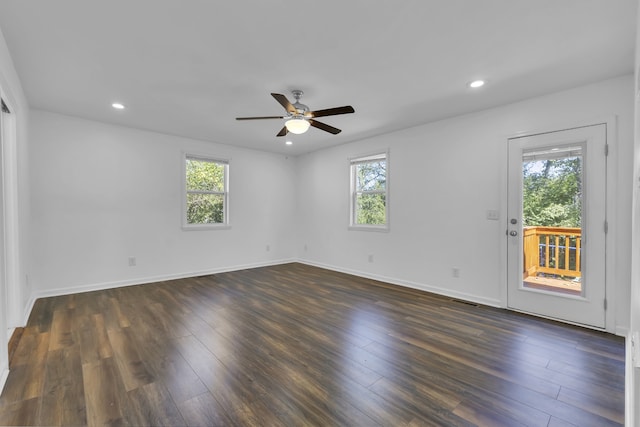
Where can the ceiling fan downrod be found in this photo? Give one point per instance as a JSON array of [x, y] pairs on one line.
[[301, 109]]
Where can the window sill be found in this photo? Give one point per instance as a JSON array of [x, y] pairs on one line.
[[376, 228], [205, 227]]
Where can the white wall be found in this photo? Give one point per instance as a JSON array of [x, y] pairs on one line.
[[444, 176], [633, 374], [103, 193], [11, 91]]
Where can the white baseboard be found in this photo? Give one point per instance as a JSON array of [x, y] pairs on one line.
[[141, 281], [151, 279], [629, 385], [622, 331], [3, 379], [493, 302], [28, 308]]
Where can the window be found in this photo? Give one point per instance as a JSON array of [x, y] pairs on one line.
[[206, 195], [369, 192]]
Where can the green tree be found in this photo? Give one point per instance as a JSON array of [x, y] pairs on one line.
[[552, 192], [205, 192], [371, 182]]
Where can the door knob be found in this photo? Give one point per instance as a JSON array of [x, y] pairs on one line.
[[513, 233]]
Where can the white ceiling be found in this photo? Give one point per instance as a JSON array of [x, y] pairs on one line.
[[189, 67]]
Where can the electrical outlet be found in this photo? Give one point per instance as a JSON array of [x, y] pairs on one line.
[[455, 272], [268, 248], [370, 258], [132, 261]]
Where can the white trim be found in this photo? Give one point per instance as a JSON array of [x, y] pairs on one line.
[[149, 279], [226, 224], [611, 210], [567, 322], [622, 331], [28, 308], [367, 158], [369, 155], [162, 278], [205, 227], [3, 379], [363, 227], [504, 224], [11, 218], [611, 124], [408, 284], [491, 302]]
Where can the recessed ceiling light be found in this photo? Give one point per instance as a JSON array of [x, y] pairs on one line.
[[476, 84], [117, 106], [288, 142]]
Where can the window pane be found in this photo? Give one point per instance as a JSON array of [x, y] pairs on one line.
[[371, 209], [371, 176], [205, 209], [205, 176]]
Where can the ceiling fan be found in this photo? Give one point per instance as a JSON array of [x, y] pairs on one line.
[[299, 117]]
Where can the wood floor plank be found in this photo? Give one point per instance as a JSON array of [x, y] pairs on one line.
[[482, 416], [131, 367], [602, 404], [169, 368], [204, 410], [61, 335], [151, 405], [104, 349], [555, 422], [20, 413], [29, 342], [63, 383], [102, 393], [297, 345], [232, 389], [26, 380]]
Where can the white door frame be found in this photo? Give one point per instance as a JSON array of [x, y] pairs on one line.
[[11, 304], [612, 198], [11, 225]]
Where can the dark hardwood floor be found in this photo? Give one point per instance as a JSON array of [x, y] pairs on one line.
[[295, 345]]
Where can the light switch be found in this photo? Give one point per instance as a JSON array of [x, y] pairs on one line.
[[493, 215]]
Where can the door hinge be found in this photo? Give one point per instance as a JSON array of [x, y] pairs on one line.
[[605, 304], [606, 227], [606, 149]]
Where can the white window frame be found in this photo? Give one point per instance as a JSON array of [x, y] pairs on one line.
[[225, 193], [353, 194]]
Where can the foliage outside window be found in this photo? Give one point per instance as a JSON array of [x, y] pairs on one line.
[[206, 191], [552, 192], [369, 192]]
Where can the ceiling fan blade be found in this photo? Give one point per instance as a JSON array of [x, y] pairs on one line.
[[283, 131], [284, 102], [347, 109], [260, 118], [324, 127]]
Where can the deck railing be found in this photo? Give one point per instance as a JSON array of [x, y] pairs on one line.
[[552, 250]]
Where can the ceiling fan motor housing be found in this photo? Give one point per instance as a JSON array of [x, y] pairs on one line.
[[301, 108]]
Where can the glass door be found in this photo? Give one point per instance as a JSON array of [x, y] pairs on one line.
[[557, 201]]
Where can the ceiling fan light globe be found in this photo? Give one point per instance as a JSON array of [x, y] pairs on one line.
[[297, 126]]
